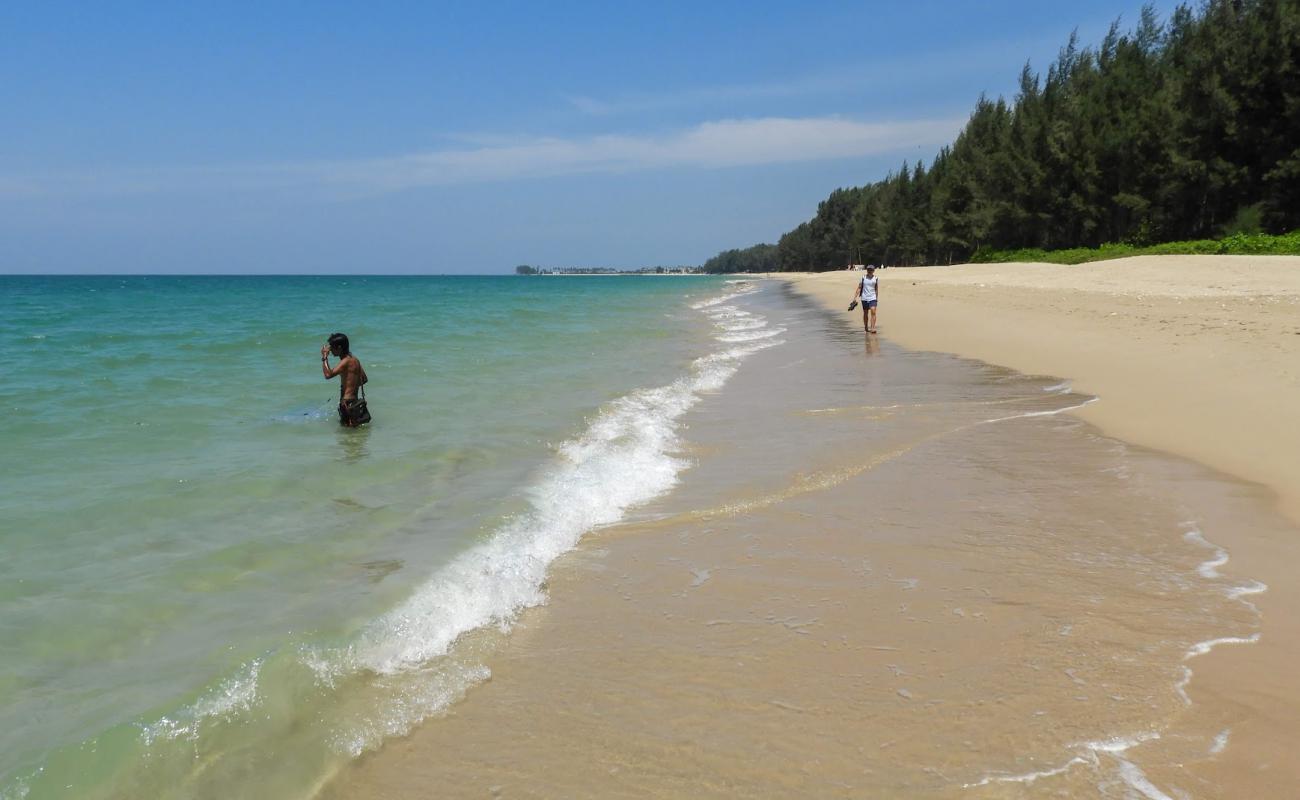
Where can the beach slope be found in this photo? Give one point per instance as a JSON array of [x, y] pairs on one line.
[[1193, 355]]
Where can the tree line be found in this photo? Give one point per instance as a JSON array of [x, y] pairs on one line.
[[1181, 129], [528, 269]]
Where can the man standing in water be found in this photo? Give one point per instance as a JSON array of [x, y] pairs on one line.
[[868, 293], [352, 410]]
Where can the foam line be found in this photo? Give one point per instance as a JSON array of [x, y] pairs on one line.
[[1245, 590], [1050, 413], [1027, 777], [1089, 753], [232, 696], [624, 458], [749, 336], [1208, 569], [1137, 780], [1201, 648]]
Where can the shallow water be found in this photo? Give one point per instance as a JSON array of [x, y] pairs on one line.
[[210, 588]]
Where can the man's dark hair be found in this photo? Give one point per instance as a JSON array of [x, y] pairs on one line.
[[339, 342]]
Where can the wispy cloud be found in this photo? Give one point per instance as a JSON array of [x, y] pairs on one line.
[[716, 144], [847, 78], [696, 96]]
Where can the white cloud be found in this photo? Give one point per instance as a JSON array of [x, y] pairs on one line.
[[722, 143], [698, 96], [725, 143]]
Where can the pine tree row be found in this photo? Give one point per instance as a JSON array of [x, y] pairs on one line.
[[1186, 129]]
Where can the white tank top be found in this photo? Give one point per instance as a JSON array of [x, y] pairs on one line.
[[869, 288]]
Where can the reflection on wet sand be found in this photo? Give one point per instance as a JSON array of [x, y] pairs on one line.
[[353, 443]]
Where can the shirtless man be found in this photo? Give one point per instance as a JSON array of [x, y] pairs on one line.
[[351, 414]]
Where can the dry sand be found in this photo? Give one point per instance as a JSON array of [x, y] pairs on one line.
[[1193, 355]]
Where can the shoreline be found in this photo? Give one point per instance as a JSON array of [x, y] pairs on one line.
[[1236, 316], [680, 642], [1197, 356]]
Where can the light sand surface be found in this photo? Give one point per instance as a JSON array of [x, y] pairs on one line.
[[1193, 355]]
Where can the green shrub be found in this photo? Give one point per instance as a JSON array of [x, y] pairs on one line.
[[1287, 244]]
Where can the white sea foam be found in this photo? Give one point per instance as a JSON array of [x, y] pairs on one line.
[[721, 313], [1210, 568], [1181, 686], [1245, 590], [1028, 414], [1089, 753], [232, 696], [625, 457], [1220, 742], [1059, 388], [621, 460], [1118, 744], [741, 290], [1027, 777], [750, 336], [747, 323], [15, 791], [1137, 780], [1201, 648]]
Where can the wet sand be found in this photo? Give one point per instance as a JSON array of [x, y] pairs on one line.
[[888, 573], [1193, 355]]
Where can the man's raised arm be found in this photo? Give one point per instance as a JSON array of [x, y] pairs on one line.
[[325, 367]]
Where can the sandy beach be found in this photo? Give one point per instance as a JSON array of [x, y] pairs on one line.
[[1193, 355], [928, 576]]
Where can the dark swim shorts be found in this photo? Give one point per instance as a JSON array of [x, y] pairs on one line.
[[353, 412]]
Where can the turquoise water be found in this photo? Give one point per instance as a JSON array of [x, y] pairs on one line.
[[210, 589]]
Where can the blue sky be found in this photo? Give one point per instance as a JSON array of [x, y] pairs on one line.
[[286, 137]]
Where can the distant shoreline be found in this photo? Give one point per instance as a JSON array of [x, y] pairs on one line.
[[619, 275]]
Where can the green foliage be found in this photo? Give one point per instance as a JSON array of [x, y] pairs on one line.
[[759, 258], [1236, 244], [1249, 219], [524, 269], [1175, 132]]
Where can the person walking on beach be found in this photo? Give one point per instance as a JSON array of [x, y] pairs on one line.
[[868, 293], [352, 409]]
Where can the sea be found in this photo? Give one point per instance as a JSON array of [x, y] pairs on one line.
[[210, 589], [206, 580]]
